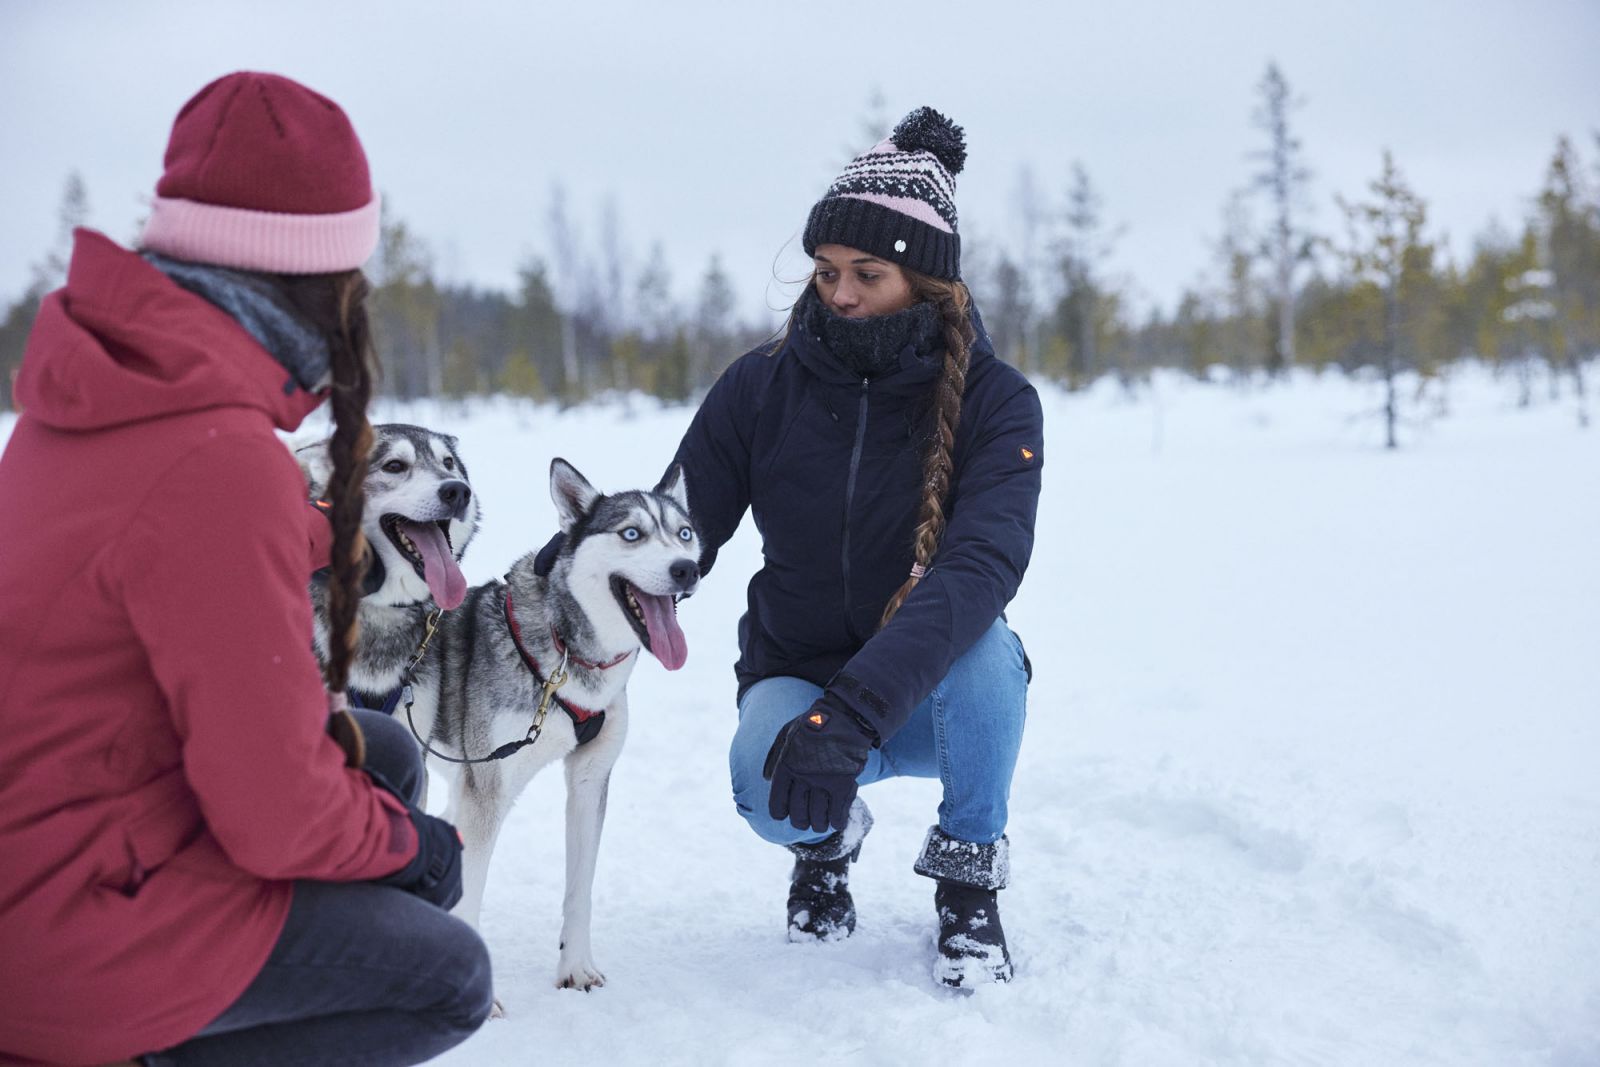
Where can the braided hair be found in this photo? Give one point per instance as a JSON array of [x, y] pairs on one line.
[[952, 302], [336, 305]]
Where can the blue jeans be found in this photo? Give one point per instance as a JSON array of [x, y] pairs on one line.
[[362, 973], [966, 734]]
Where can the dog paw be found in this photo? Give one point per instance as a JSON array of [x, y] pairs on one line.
[[498, 1011], [583, 976]]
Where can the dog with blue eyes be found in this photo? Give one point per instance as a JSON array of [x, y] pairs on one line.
[[534, 668]]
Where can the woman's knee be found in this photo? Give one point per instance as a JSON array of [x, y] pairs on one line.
[[392, 752], [995, 665], [763, 711], [474, 998]]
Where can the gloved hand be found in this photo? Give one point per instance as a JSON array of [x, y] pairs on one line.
[[434, 874], [813, 765]]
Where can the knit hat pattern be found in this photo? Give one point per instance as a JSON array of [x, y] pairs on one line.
[[897, 200], [264, 174]]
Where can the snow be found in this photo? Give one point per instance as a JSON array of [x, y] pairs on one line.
[[1307, 776]]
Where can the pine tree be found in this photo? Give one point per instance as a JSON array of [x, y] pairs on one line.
[[1569, 236], [1085, 309], [714, 344], [405, 309], [48, 274], [538, 337], [1284, 179], [1388, 255]]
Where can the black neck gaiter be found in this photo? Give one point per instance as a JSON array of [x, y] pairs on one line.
[[871, 347]]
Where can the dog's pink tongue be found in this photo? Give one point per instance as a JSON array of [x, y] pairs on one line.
[[667, 643], [439, 568]]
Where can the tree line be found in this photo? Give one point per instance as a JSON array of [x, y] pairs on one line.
[[1378, 297]]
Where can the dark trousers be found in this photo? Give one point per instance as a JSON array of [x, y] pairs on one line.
[[362, 973]]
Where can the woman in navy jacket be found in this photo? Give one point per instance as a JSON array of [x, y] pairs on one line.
[[893, 467]]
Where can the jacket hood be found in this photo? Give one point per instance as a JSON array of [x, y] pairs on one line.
[[120, 342], [917, 369]]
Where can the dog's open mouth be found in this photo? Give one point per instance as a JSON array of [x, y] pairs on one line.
[[427, 546], [655, 619]]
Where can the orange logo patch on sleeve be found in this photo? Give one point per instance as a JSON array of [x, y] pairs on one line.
[[1027, 454]]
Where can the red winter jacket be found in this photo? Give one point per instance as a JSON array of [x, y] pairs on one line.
[[164, 768]]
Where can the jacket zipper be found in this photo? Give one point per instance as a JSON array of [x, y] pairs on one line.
[[850, 486]]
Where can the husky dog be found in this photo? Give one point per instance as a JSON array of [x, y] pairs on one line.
[[568, 620], [420, 516], [580, 609]]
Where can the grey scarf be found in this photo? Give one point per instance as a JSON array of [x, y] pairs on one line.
[[254, 303]]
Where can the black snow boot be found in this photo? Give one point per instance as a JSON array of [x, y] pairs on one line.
[[820, 905], [972, 943]]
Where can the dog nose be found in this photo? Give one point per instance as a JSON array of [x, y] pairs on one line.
[[685, 573], [455, 495]]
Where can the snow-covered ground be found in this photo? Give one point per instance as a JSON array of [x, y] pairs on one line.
[[1308, 778]]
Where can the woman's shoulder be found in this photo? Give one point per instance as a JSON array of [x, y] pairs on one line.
[[754, 372], [994, 384]]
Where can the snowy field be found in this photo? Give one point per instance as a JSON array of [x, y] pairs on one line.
[[1308, 775]]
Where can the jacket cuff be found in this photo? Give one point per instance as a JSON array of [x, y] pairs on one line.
[[869, 710], [403, 841]]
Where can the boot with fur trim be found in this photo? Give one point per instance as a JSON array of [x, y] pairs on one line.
[[820, 905], [972, 943]]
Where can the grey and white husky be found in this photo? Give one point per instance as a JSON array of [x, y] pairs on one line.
[[421, 514], [568, 621], [580, 609]]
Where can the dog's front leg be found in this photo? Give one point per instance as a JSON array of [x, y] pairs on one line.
[[588, 778]]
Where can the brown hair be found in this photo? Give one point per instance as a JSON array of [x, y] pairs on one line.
[[336, 305], [953, 302]]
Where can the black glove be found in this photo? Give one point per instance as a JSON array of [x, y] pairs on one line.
[[434, 874], [813, 765]]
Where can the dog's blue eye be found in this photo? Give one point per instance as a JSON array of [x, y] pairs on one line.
[[686, 534], [631, 533]]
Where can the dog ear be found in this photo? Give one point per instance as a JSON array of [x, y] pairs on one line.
[[572, 493], [315, 467], [676, 485]]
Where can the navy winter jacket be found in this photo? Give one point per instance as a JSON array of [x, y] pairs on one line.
[[831, 467]]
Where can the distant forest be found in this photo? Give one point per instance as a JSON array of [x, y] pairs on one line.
[[1377, 297]]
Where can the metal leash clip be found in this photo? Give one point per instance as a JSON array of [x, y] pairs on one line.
[[557, 679]]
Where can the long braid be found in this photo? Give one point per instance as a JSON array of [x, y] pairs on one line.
[[952, 301], [336, 305], [350, 447]]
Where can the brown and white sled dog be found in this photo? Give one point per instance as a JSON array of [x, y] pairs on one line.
[[568, 620]]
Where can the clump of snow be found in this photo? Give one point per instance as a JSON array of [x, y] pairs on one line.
[[977, 963]]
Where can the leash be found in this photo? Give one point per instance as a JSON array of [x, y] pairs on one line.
[[586, 725]]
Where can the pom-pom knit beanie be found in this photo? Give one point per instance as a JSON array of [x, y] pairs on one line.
[[897, 199]]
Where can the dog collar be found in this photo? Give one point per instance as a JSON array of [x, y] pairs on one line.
[[561, 647], [586, 721]]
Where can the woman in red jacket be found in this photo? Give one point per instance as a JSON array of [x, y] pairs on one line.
[[189, 863]]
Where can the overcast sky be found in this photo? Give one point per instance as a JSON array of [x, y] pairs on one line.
[[714, 126]]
